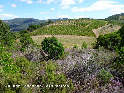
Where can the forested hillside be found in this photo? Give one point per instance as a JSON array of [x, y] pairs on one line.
[[19, 24]]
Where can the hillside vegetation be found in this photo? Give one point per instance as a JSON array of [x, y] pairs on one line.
[[81, 27], [109, 28]]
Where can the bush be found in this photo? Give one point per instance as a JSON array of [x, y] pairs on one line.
[[109, 41], [121, 32], [104, 76], [84, 45], [75, 46], [9, 72], [53, 82], [33, 27], [53, 48], [6, 37], [25, 40]]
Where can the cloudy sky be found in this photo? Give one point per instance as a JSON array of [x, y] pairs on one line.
[[48, 9]]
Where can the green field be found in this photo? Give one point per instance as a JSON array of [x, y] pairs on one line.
[[68, 40]]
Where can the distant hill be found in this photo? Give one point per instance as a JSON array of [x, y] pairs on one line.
[[116, 17], [19, 24]]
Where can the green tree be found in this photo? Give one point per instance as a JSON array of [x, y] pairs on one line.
[[109, 41], [33, 27], [121, 32], [7, 38], [53, 48], [25, 40]]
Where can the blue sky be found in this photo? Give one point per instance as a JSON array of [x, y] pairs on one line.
[[49, 9]]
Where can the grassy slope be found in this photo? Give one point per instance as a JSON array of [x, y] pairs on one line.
[[68, 40], [80, 27]]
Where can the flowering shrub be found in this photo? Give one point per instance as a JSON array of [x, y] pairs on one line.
[[53, 82]]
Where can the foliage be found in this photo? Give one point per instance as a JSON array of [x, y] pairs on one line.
[[112, 41], [48, 22], [24, 65], [52, 47], [75, 46], [121, 32], [25, 40], [9, 71], [104, 76], [115, 17], [84, 45], [7, 62], [53, 82], [109, 41], [6, 37], [33, 27]]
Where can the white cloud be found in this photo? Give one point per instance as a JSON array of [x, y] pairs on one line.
[[117, 10], [39, 1], [7, 16], [52, 9], [80, 1], [49, 1], [13, 5], [100, 5], [27, 1], [66, 3]]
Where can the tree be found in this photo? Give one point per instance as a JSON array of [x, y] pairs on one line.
[[52, 47], [33, 27], [121, 32], [6, 37], [109, 41], [49, 22], [25, 40]]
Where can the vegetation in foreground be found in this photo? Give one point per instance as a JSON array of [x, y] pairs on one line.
[[75, 70]]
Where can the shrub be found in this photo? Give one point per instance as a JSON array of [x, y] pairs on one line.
[[52, 47], [6, 37], [121, 32], [25, 40], [24, 65], [84, 45], [109, 41], [33, 27], [9, 72], [119, 63], [7, 62], [75, 46], [53, 82], [104, 76]]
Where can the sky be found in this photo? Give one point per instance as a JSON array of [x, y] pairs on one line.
[[53, 9]]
